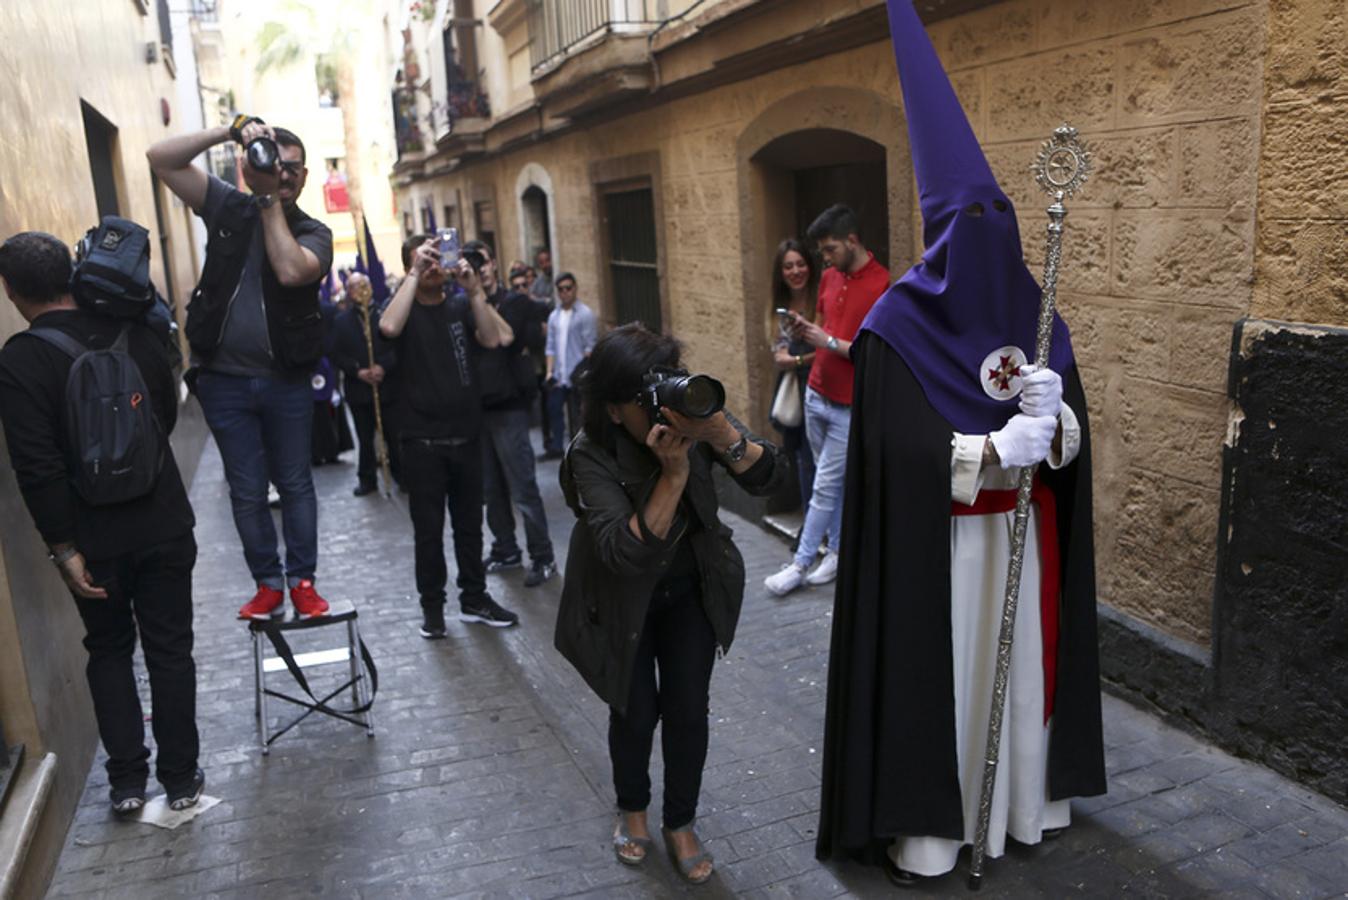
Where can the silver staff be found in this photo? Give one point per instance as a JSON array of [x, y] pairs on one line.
[[1063, 165]]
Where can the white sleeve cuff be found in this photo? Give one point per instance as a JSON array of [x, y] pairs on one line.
[[966, 467], [1071, 439]]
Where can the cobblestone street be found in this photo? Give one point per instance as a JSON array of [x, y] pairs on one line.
[[489, 773]]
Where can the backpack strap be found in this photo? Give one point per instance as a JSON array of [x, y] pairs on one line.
[[60, 340]]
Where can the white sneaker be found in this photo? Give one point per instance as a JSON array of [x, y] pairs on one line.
[[787, 580], [826, 571]]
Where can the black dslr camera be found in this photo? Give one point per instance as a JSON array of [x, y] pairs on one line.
[[696, 396]]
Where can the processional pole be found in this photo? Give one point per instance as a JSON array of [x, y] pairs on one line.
[[1063, 165], [363, 293]]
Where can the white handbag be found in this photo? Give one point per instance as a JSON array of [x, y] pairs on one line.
[[786, 410]]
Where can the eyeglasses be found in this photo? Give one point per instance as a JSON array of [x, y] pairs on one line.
[[566, 287], [294, 167]]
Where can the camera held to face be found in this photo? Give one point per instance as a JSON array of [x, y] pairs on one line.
[[695, 396]]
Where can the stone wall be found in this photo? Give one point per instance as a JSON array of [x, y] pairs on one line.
[[1160, 249]]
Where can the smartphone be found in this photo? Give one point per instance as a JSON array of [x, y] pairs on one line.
[[449, 248], [784, 313]]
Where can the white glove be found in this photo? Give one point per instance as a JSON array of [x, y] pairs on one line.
[[1024, 440], [1040, 391]]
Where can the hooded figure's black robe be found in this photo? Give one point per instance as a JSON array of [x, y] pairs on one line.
[[890, 765]]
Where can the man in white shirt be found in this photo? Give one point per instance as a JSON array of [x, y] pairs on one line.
[[572, 332]]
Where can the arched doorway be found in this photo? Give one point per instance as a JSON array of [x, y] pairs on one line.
[[812, 169], [811, 149], [536, 214]]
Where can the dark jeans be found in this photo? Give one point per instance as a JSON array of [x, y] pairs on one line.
[[149, 590], [545, 409], [563, 415], [509, 474], [679, 638], [440, 474], [263, 427], [367, 465]]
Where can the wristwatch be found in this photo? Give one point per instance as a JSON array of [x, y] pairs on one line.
[[832, 343], [735, 452], [264, 201], [58, 559]]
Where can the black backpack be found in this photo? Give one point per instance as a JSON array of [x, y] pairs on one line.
[[115, 445], [112, 270]]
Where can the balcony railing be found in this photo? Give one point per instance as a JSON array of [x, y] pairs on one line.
[[556, 26]]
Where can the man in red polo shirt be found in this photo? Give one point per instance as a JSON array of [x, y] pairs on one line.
[[848, 289]]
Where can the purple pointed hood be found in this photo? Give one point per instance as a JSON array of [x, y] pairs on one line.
[[964, 316]]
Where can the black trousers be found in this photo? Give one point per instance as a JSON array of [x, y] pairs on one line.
[[367, 465], [441, 474], [149, 590], [679, 641]]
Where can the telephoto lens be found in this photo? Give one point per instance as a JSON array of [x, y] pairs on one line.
[[696, 396], [262, 154]]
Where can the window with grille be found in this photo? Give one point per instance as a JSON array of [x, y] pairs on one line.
[[633, 271]]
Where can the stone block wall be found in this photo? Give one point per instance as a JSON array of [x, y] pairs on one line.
[[1159, 250]]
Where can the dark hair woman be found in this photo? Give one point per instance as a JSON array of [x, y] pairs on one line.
[[795, 284], [653, 579]]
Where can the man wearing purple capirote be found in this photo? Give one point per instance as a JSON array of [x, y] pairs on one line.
[[947, 414]]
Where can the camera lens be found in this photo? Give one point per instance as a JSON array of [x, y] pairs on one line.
[[262, 154], [702, 396]]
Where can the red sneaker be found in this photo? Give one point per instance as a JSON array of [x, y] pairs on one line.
[[307, 602], [265, 604]]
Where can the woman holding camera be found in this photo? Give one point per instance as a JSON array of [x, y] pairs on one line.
[[795, 279], [653, 580]]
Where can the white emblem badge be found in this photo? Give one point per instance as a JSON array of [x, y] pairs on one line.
[[318, 382], [1000, 373]]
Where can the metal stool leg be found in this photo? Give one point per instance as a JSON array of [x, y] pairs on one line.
[[260, 679], [362, 679]]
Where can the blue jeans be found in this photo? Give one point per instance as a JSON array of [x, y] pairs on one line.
[[263, 427], [508, 474], [827, 425], [563, 404]]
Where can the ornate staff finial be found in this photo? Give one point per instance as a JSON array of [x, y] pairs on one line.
[[1063, 163]]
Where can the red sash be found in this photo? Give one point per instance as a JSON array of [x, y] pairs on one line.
[[989, 502]]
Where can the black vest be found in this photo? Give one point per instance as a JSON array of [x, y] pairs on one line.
[[294, 321]]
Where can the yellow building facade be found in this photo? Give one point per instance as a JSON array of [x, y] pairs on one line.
[[733, 122]]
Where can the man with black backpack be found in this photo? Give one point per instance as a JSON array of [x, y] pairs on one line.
[[256, 333], [87, 402]]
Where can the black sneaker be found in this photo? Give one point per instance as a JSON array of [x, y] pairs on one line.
[[127, 801], [540, 572], [364, 488], [496, 564], [186, 797], [488, 612], [433, 622]]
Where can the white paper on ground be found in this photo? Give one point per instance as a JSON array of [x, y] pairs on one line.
[[157, 812]]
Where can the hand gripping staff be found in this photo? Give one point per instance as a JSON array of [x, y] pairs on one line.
[[1063, 165]]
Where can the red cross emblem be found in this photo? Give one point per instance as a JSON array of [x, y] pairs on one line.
[[1002, 375]]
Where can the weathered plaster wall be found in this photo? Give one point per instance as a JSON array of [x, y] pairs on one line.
[[45, 184]]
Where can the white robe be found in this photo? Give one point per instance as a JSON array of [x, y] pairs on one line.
[[980, 549]]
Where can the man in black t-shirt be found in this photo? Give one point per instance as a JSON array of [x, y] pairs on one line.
[[438, 340], [128, 565], [509, 387]]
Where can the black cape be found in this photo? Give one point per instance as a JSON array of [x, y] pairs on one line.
[[890, 764]]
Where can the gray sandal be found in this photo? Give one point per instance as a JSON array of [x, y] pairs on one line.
[[687, 865], [622, 839]]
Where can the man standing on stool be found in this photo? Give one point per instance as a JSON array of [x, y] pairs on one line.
[[847, 291], [128, 564], [256, 332], [438, 340]]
